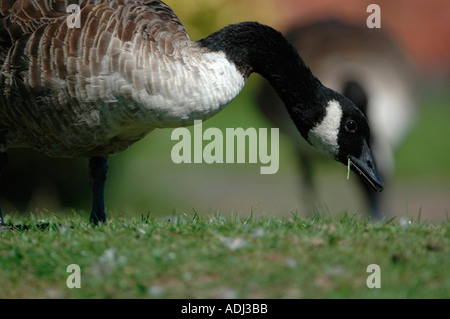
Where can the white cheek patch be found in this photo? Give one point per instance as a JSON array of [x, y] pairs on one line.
[[324, 135]]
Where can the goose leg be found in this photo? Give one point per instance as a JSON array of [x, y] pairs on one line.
[[3, 161], [98, 167]]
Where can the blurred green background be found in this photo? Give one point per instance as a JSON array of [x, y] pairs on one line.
[[144, 179]]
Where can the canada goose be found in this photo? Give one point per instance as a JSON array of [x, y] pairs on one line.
[[131, 68], [370, 69]]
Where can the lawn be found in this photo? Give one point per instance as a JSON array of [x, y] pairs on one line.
[[192, 256]]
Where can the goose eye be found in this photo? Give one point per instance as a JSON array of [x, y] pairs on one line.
[[351, 126]]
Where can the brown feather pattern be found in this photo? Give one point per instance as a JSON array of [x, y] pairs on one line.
[[66, 91]]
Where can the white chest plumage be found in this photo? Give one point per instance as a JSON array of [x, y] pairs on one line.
[[325, 134], [172, 91], [197, 90]]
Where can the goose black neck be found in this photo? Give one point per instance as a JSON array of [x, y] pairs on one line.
[[254, 47]]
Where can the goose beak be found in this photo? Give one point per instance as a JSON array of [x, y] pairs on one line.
[[365, 167]]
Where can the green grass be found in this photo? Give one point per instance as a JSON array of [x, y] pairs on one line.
[[189, 256]]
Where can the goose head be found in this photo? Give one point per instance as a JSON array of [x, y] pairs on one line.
[[340, 130]]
